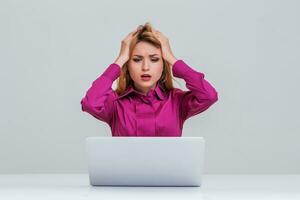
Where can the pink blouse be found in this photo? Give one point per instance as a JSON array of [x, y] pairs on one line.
[[159, 113]]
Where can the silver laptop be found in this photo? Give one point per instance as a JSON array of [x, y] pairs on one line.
[[145, 161]]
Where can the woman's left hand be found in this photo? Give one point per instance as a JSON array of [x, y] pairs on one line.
[[165, 47]]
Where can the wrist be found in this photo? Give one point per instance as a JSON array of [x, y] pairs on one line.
[[120, 61], [172, 60]]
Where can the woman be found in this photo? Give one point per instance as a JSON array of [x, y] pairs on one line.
[[145, 102]]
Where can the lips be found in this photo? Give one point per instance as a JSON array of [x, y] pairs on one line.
[[146, 76]]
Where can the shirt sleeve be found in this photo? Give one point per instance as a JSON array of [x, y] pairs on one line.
[[98, 98], [201, 94]]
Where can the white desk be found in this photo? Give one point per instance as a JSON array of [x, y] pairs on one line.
[[76, 186]]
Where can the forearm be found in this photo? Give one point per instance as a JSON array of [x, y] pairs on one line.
[[96, 100], [195, 81], [120, 61]]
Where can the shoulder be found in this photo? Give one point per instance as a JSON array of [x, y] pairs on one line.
[[112, 96]]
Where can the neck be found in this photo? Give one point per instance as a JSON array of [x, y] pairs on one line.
[[144, 91]]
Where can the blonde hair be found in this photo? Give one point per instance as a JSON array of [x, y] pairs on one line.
[[145, 34]]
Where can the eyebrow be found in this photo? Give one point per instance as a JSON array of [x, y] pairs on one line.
[[149, 55]]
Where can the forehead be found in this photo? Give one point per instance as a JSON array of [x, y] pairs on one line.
[[145, 48]]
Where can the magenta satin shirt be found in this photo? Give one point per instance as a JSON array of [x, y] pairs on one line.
[[157, 114]]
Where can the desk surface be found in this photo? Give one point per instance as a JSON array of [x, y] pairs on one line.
[[76, 186]]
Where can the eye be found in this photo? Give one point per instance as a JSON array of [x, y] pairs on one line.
[[136, 59], [155, 59]]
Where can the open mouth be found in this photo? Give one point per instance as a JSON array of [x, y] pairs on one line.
[[146, 77]]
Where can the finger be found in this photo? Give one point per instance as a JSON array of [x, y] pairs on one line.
[[129, 34], [156, 30], [155, 33], [135, 32], [132, 33]]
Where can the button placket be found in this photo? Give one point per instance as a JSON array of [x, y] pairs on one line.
[[145, 116]]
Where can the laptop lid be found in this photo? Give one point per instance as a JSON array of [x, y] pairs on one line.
[[145, 161]]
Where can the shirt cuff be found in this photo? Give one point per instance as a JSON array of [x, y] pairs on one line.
[[181, 70], [112, 72]]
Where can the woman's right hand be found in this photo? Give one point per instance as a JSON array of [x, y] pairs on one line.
[[124, 51]]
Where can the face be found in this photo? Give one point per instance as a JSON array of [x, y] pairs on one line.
[[145, 59]]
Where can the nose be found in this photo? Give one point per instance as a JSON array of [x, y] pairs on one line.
[[145, 66]]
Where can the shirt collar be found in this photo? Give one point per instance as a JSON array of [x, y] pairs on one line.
[[159, 90]]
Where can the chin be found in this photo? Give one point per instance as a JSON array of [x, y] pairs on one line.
[[148, 83]]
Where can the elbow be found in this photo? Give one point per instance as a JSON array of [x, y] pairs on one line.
[[84, 105], [87, 107], [213, 97]]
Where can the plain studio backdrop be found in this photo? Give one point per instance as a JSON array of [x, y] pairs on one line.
[[51, 51]]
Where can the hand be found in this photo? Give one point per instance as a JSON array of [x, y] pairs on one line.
[[124, 51], [165, 47]]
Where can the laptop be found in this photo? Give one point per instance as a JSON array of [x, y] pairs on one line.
[[145, 161]]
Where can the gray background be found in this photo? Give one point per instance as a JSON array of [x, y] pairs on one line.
[[51, 51]]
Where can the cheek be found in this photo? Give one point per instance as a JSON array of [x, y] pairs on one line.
[[133, 72], [158, 71]]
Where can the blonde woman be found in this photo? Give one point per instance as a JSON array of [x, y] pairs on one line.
[[145, 103]]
